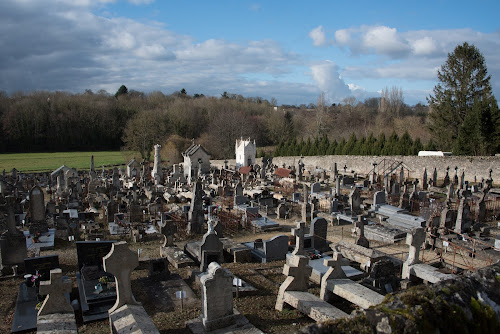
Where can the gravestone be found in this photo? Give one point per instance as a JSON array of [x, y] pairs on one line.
[[12, 241], [334, 271], [217, 297], [319, 227], [196, 217], [299, 233], [55, 289], [41, 265], [361, 240], [297, 271], [424, 180], [211, 249], [414, 239], [274, 249], [37, 211], [94, 304], [355, 200], [121, 261], [315, 188]]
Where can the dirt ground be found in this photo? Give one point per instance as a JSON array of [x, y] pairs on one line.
[[258, 308]]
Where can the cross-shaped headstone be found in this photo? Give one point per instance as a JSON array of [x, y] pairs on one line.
[[415, 239], [120, 262], [298, 233], [55, 288], [334, 265]]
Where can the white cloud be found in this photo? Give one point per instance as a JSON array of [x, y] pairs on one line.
[[384, 40], [318, 36], [327, 77], [424, 46]]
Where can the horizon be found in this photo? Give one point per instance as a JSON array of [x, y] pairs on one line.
[[291, 52]]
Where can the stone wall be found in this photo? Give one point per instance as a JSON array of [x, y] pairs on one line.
[[474, 167]]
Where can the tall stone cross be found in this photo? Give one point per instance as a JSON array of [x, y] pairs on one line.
[[55, 288], [297, 272], [334, 271], [299, 233], [415, 239], [120, 262]]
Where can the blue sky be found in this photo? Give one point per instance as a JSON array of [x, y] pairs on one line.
[[288, 50]]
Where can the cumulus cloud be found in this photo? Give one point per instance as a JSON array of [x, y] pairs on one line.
[[327, 77], [71, 48], [318, 36], [141, 2]]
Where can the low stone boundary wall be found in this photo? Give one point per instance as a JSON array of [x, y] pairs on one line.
[[475, 168]]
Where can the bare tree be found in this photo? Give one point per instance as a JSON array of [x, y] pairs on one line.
[[392, 102]]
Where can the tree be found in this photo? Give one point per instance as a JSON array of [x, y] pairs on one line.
[[121, 91], [391, 102], [145, 130], [463, 83]]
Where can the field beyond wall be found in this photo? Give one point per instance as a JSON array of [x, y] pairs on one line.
[[43, 162]]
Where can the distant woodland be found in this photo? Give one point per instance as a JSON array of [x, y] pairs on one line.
[[58, 121]]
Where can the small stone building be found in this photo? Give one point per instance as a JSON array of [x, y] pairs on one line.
[[246, 150]]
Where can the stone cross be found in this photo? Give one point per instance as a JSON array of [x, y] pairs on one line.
[[334, 271], [120, 262], [299, 233], [298, 272], [55, 288], [415, 239]]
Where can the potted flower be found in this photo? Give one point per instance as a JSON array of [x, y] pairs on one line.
[[104, 280]]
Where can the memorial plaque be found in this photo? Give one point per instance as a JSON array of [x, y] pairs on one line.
[[42, 264]]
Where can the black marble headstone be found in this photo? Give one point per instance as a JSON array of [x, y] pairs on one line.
[[42, 264], [90, 253]]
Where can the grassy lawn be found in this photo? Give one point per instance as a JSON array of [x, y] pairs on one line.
[[38, 162]]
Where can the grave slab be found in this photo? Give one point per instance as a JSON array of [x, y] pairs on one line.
[[60, 323], [429, 273], [176, 257], [45, 241], [313, 306], [129, 319], [354, 292]]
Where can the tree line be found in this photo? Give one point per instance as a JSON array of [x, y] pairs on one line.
[[371, 145], [462, 116]]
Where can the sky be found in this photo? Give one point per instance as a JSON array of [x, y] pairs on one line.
[[291, 51]]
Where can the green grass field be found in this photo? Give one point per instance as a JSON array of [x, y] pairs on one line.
[[41, 162]]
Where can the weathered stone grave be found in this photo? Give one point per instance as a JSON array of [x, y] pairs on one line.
[[12, 241], [218, 312], [56, 314], [126, 315]]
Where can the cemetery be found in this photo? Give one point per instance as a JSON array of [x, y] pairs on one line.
[[248, 246]]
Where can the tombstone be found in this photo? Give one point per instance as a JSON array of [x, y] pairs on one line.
[[238, 189], [334, 205], [395, 188], [355, 200], [414, 239], [462, 180], [41, 265], [55, 289], [449, 193], [401, 175], [299, 233], [281, 211], [378, 199], [481, 206], [334, 271], [297, 271], [424, 179], [196, 216], [217, 298], [319, 227], [90, 268], [12, 242], [361, 240], [434, 178], [337, 186], [446, 180], [168, 229], [211, 249], [37, 211], [158, 268], [315, 188], [274, 249], [219, 228], [120, 262]]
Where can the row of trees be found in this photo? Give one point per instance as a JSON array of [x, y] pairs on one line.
[[371, 145], [462, 117]]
